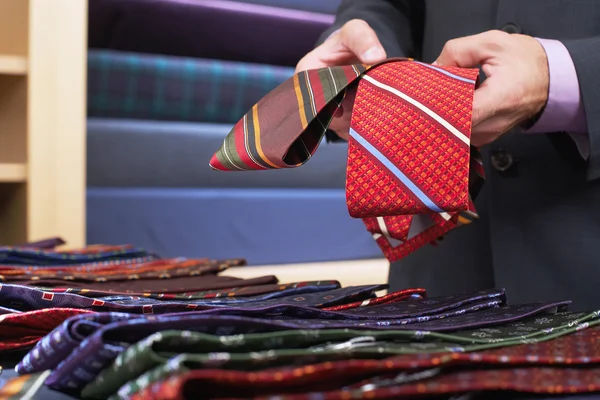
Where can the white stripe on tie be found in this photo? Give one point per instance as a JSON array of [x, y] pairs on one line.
[[422, 107]]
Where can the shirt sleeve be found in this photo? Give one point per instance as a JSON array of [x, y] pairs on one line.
[[564, 111]]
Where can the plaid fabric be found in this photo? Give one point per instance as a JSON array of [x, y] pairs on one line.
[[139, 86]]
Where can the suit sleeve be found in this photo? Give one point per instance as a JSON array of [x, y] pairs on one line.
[[585, 53], [398, 23]]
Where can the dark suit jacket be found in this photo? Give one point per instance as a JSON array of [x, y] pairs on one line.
[[539, 235]]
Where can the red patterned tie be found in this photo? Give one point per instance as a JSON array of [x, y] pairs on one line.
[[412, 174]]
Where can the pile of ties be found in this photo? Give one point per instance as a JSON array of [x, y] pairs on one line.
[[119, 322]]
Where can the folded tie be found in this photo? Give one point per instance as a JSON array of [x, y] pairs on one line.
[[565, 352], [27, 298], [230, 294], [411, 175], [160, 269], [46, 244], [25, 256], [168, 353], [100, 347], [485, 382], [22, 330]]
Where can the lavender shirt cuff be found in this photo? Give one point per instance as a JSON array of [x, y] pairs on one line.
[[564, 110]]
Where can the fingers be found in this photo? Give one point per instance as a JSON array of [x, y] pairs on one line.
[[470, 51], [355, 42], [474, 51], [331, 52], [310, 61], [341, 127], [361, 40], [484, 104], [341, 121], [491, 117]]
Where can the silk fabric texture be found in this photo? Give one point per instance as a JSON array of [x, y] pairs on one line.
[[76, 364], [411, 173], [529, 373], [27, 255], [21, 330], [173, 352], [575, 349]]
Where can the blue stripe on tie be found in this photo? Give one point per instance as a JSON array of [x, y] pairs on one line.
[[394, 170], [460, 78]]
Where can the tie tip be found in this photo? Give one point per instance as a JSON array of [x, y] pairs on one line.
[[214, 164]]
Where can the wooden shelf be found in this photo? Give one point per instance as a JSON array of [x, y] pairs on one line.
[[13, 65], [43, 54], [13, 173]]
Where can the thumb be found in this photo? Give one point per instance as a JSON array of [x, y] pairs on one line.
[[361, 40], [355, 42]]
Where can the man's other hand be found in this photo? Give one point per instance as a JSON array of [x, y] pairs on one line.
[[516, 85]]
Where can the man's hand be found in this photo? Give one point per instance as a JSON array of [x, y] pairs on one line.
[[355, 42], [516, 85]]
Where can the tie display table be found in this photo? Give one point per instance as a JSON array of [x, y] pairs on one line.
[[119, 321], [359, 272], [43, 47]]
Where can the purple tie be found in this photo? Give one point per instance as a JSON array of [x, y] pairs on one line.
[[94, 341]]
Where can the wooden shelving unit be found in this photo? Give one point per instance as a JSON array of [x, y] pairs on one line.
[[43, 50], [13, 65]]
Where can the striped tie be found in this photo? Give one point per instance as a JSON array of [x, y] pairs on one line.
[[412, 174]]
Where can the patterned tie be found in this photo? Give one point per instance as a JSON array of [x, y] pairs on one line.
[[411, 175], [97, 351], [169, 353], [22, 330], [24, 256], [580, 349], [231, 294], [27, 298]]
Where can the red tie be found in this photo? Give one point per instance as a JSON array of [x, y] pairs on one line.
[[411, 173]]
